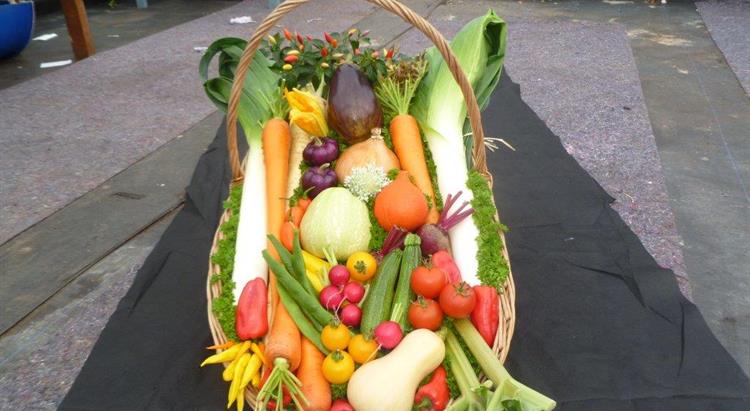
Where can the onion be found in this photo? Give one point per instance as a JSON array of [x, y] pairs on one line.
[[388, 334], [351, 315]]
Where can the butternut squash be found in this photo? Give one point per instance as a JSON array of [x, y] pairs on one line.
[[389, 383]]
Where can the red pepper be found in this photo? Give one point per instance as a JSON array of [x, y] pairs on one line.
[[486, 313], [389, 55], [443, 260], [300, 39], [435, 395], [291, 58], [309, 37], [288, 34], [329, 38], [324, 51], [251, 320]]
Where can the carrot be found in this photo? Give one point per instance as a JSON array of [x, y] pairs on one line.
[[283, 339], [314, 385], [287, 235], [276, 144], [295, 214], [407, 143]]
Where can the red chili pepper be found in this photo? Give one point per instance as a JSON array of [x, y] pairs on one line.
[[300, 39], [251, 320], [443, 260], [309, 37], [291, 58], [329, 38], [389, 55], [288, 34], [334, 43], [486, 313], [324, 51], [435, 395]]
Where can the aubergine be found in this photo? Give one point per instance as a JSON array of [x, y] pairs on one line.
[[353, 109]]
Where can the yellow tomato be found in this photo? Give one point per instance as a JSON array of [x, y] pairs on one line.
[[338, 367], [361, 266], [361, 349], [335, 337]]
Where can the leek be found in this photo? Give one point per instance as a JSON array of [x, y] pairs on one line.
[[258, 103], [440, 109]]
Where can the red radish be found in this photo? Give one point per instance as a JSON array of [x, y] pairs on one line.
[[330, 297], [353, 292], [435, 236], [338, 275], [351, 315], [341, 405], [388, 334]]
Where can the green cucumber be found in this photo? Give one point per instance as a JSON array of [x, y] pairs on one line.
[[410, 260], [377, 305]]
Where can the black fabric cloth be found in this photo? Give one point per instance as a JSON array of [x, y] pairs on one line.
[[600, 325]]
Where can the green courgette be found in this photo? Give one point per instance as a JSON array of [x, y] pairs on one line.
[[377, 305], [411, 258]]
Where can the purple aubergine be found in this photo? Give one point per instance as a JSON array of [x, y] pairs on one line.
[[321, 151], [317, 179], [353, 109], [435, 236]]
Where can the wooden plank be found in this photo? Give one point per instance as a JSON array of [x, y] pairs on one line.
[[39, 262], [78, 28]]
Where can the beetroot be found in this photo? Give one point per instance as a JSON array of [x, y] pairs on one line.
[[435, 236]]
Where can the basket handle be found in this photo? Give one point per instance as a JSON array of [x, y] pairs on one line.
[[479, 154]]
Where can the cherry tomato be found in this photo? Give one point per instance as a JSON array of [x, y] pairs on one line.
[[361, 266], [362, 349], [458, 300], [335, 336], [425, 313], [428, 282], [338, 367]]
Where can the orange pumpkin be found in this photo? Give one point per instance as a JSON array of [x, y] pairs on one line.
[[401, 203]]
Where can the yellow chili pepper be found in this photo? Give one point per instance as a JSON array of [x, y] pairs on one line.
[[272, 40], [292, 53], [241, 402], [257, 349], [239, 371], [221, 346], [228, 372], [325, 65], [256, 380], [252, 368], [286, 67], [224, 356]]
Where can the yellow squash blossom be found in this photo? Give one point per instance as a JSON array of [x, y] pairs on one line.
[[307, 112]]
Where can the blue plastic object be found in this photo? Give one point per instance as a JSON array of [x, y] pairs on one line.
[[16, 27]]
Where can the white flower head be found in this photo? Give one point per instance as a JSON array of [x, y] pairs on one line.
[[366, 181]]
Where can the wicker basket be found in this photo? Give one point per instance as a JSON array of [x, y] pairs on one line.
[[507, 297]]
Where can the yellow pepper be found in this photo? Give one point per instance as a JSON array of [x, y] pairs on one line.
[[228, 373], [307, 111], [252, 368], [316, 270], [226, 355], [256, 380]]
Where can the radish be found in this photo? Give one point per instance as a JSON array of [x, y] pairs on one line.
[[351, 315], [353, 292], [330, 297], [338, 275], [388, 334], [435, 236]]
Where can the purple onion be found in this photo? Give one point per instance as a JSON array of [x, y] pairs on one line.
[[317, 179], [321, 151]]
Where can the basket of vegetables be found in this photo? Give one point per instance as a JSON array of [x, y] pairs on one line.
[[360, 263]]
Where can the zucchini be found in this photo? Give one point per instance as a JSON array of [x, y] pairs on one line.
[[377, 305], [411, 258]]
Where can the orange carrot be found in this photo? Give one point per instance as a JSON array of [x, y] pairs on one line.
[[283, 341], [407, 143], [276, 140], [314, 385], [287, 235], [295, 214]]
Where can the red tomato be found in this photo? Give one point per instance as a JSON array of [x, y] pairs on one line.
[[341, 405], [425, 313], [427, 282], [458, 300]]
